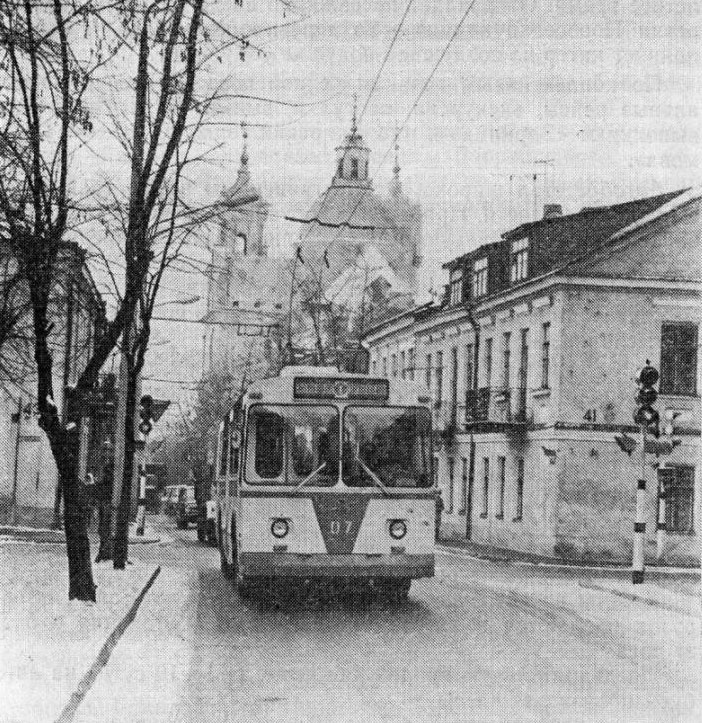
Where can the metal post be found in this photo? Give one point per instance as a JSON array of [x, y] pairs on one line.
[[141, 509], [660, 526], [15, 473], [637, 571]]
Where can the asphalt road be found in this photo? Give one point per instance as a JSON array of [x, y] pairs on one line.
[[479, 642]]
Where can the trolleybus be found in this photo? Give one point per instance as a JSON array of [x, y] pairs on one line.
[[326, 475]]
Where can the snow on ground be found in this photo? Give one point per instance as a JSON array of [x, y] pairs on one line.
[[48, 643]]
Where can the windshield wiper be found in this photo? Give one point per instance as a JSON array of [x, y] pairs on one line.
[[373, 476], [311, 475]]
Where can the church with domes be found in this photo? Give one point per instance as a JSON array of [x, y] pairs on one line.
[[355, 262], [363, 238]]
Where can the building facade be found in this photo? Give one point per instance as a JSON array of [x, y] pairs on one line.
[[28, 475], [530, 362], [247, 289]]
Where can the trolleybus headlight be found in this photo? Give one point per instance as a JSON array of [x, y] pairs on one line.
[[280, 528], [398, 529]]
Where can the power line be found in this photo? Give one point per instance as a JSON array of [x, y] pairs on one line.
[[385, 59]]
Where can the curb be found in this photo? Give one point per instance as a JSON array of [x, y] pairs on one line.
[[86, 683], [461, 552], [61, 540]]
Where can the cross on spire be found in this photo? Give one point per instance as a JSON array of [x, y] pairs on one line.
[[244, 150], [354, 124]]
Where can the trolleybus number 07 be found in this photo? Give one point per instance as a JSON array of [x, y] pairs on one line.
[[336, 527]]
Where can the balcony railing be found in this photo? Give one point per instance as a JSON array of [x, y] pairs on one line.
[[497, 406]]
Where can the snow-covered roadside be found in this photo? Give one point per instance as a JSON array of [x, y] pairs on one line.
[[48, 643]]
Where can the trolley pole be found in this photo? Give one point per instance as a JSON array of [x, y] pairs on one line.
[[637, 568]]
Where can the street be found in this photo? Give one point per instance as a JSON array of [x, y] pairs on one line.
[[481, 641]]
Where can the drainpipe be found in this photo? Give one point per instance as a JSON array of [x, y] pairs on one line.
[[471, 459]]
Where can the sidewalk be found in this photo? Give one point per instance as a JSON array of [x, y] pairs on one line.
[[503, 555], [49, 643], [47, 535]]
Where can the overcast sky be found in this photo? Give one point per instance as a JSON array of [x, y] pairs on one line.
[[608, 89]]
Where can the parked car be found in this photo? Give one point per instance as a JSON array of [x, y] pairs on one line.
[[186, 508], [169, 498]]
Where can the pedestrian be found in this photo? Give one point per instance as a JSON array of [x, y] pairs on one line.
[[439, 500]]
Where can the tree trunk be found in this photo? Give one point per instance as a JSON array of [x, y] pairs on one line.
[[121, 536], [81, 585]]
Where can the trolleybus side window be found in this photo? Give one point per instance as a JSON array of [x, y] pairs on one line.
[[387, 444], [293, 444]]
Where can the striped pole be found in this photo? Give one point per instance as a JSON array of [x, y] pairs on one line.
[[637, 568], [660, 526]]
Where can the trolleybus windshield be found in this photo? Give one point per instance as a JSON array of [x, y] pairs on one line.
[[392, 444], [293, 445]]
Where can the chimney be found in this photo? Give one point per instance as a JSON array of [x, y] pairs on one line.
[[552, 210]]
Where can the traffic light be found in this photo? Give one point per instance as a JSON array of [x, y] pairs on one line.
[[646, 415], [146, 413], [668, 441]]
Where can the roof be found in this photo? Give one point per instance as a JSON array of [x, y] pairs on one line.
[[618, 215], [353, 206]]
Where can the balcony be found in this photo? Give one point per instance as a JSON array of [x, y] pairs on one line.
[[497, 409]]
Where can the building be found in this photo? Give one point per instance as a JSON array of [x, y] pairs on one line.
[[530, 362], [355, 262], [363, 248], [247, 289], [28, 476]]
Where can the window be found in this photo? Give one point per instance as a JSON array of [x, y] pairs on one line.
[[427, 373], [340, 167], [387, 444], [506, 341], [464, 487], [501, 464], [520, 260], [374, 367], [454, 380], [545, 354], [439, 377], [486, 486], [519, 509], [456, 286], [365, 169], [240, 244], [470, 373], [449, 489], [289, 445], [393, 359], [403, 365], [678, 486], [679, 359], [411, 364], [488, 362], [385, 366], [354, 168], [480, 274], [524, 360]]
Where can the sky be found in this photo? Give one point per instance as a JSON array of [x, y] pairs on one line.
[[607, 89]]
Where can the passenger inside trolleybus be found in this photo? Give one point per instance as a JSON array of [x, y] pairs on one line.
[[387, 447]]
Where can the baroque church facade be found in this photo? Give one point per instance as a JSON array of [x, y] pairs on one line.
[[355, 262]]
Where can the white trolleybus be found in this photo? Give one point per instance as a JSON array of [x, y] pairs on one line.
[[326, 476]]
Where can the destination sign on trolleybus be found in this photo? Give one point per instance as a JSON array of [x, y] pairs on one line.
[[341, 388]]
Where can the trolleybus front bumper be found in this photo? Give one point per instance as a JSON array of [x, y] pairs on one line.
[[277, 564]]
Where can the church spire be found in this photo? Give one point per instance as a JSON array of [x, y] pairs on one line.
[[395, 184], [244, 150], [354, 123]]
